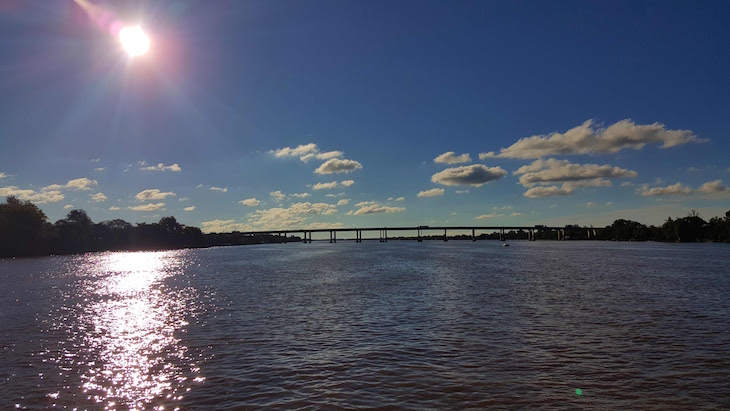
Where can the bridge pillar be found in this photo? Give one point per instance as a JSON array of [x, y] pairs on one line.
[[419, 236], [501, 234], [335, 236], [445, 238], [330, 236], [358, 236], [385, 235], [473, 237], [285, 238]]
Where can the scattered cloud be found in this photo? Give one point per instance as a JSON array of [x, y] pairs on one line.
[[710, 187], [336, 165], [191, 208], [474, 175], [3, 175], [674, 189], [434, 192], [277, 195], [199, 186], [487, 216], [100, 169], [251, 202], [98, 197], [347, 183], [147, 207], [400, 199], [153, 194], [161, 167], [77, 184], [300, 195], [516, 214], [343, 202], [325, 186], [114, 208], [376, 209], [38, 197], [335, 195], [587, 139], [306, 152], [294, 216], [366, 203], [461, 191], [183, 199], [95, 160], [68, 207], [627, 184], [551, 191], [713, 187], [224, 226], [552, 171], [221, 189], [300, 151], [450, 157]]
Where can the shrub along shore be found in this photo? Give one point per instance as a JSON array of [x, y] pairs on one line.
[[26, 231]]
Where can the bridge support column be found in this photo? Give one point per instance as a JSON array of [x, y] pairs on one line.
[[419, 236], [501, 234], [285, 238], [473, 236], [335, 236], [358, 236], [445, 237], [385, 235], [330, 236]]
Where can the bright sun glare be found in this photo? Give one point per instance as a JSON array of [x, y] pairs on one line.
[[134, 41]]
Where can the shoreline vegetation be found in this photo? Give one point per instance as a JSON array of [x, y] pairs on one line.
[[25, 231]]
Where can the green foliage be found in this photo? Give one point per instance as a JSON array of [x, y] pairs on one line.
[[23, 229]]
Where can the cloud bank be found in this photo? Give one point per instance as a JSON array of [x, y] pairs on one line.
[[474, 175]]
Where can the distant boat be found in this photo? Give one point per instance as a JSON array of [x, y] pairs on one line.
[[505, 245]]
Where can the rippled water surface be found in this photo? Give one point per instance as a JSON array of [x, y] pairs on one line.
[[398, 325]]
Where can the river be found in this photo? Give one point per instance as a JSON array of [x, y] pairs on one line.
[[397, 325]]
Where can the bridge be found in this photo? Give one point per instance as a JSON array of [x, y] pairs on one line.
[[383, 231]]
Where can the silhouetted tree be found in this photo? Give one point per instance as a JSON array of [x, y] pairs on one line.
[[24, 229], [75, 233]]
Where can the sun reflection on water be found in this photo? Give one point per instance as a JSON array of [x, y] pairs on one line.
[[131, 321]]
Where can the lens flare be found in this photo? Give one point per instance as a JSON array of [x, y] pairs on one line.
[[134, 40]]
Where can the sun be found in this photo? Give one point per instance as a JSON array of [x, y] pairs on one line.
[[134, 40]]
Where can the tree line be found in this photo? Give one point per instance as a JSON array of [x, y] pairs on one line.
[[26, 231]]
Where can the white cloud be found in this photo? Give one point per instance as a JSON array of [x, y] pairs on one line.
[[320, 225], [553, 171], [221, 189], [674, 189], [366, 203], [224, 226], [3, 175], [450, 157], [300, 151], [161, 167], [199, 186], [336, 165], [77, 184], [68, 207], [627, 184], [277, 195], [434, 192], [306, 152], [461, 191], [300, 195], [551, 191], [335, 195], [516, 214], [325, 186], [487, 216], [343, 202], [114, 208], [377, 208], [251, 202], [329, 155], [100, 169], [347, 183], [147, 207], [712, 187], [153, 194], [474, 175], [183, 199], [294, 216], [39, 197], [95, 160], [191, 208], [586, 139], [98, 197], [400, 199]]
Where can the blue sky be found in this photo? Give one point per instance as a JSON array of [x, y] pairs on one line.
[[285, 114]]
